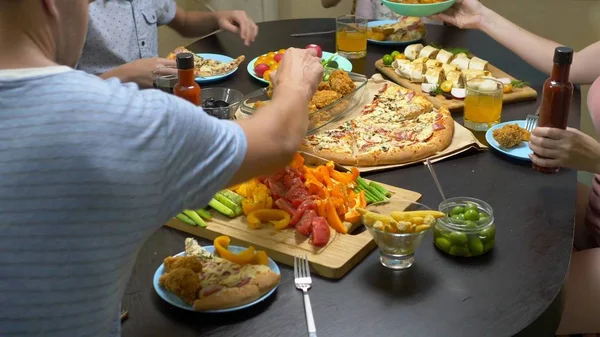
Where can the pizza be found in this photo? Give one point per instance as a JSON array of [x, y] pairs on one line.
[[397, 127], [208, 282], [208, 67]]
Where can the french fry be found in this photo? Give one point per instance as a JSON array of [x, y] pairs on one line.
[[402, 215]]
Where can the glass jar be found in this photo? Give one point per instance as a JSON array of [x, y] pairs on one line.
[[467, 229]]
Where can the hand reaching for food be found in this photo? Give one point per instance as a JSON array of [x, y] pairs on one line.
[[300, 71]]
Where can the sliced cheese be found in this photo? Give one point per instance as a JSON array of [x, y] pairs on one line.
[[444, 56], [429, 52], [412, 51], [461, 62], [478, 64]]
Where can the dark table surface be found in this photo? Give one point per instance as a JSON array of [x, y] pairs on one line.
[[516, 289]]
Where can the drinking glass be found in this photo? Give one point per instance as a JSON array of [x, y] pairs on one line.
[[164, 78], [483, 103], [351, 37]]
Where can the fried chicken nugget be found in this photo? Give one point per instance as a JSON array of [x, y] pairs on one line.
[[323, 98], [189, 262], [341, 82], [182, 282], [510, 135], [323, 86]]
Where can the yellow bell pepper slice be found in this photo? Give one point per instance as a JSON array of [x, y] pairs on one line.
[[221, 244], [279, 218], [261, 258]]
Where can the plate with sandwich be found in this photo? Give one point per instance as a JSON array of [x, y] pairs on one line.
[[404, 31]]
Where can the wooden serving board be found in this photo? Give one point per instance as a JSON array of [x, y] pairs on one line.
[[518, 94], [334, 260]]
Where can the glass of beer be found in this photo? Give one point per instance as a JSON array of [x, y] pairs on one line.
[[351, 39], [483, 103]]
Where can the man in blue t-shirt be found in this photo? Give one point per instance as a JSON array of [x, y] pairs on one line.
[[89, 169]]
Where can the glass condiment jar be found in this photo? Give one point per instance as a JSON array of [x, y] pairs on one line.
[[467, 229]]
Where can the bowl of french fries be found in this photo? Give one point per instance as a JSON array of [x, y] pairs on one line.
[[399, 233]]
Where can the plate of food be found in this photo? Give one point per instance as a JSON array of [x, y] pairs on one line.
[[262, 66], [201, 280], [510, 138], [210, 67], [418, 7], [339, 92], [396, 32]]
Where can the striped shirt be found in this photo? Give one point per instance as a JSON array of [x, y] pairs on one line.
[[89, 169], [121, 31]]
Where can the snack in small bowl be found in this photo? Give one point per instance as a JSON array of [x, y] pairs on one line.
[[400, 233], [221, 102], [467, 228], [418, 7]]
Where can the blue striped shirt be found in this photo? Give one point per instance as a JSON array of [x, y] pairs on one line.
[[89, 169]]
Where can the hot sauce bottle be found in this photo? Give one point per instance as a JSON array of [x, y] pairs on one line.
[[186, 87], [556, 97]]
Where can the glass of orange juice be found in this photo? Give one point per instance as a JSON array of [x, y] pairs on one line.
[[483, 103], [351, 36]]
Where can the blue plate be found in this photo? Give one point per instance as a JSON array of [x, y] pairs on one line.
[[218, 57], [343, 64], [522, 151], [176, 301], [390, 43]]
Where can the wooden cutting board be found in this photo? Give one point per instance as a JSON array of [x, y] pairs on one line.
[[518, 94], [334, 260]]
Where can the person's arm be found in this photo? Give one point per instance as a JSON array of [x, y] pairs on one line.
[[534, 49], [330, 3], [140, 71], [196, 23]]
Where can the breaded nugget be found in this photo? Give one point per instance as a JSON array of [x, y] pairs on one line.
[[189, 262], [323, 86], [510, 135], [323, 98], [182, 282], [341, 82]]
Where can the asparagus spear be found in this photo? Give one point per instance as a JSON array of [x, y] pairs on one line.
[[380, 188]]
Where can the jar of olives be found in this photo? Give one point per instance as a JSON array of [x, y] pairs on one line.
[[467, 229]]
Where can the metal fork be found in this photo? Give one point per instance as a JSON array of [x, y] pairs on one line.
[[303, 282], [531, 122]]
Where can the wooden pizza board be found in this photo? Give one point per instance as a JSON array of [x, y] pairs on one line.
[[518, 94], [337, 258]]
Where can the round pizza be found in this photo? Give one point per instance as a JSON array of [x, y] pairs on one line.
[[397, 127]]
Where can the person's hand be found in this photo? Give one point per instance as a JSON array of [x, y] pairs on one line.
[[238, 22], [140, 71], [463, 14], [568, 148], [300, 70]]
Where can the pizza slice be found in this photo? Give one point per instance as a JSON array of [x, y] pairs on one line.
[[336, 144], [208, 67]]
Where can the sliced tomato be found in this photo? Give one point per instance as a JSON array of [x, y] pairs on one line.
[[320, 231], [297, 192], [292, 181], [308, 204], [277, 188], [285, 205], [304, 226]]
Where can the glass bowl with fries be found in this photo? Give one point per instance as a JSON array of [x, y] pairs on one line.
[[398, 234]]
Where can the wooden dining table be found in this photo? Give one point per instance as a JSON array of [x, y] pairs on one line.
[[514, 290]]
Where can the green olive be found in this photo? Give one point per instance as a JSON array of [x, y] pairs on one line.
[[459, 251], [488, 246], [443, 244], [471, 206], [471, 215], [459, 217], [458, 238], [475, 246], [470, 224], [488, 234], [483, 216], [457, 210]]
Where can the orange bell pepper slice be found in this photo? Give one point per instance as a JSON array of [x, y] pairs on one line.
[[245, 257], [279, 218], [297, 161], [261, 258], [323, 175], [352, 216], [333, 219], [362, 199]]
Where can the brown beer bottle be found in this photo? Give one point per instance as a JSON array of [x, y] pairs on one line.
[[556, 97]]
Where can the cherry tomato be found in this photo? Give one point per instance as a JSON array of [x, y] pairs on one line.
[[260, 69], [446, 86], [271, 63], [281, 51], [508, 88], [271, 54], [278, 58], [274, 67], [267, 76], [262, 60], [400, 57]]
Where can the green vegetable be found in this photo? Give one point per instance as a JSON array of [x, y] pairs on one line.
[[387, 59], [457, 210], [458, 217], [471, 206], [443, 244], [488, 234], [380, 188], [458, 238], [333, 64], [325, 77], [195, 217], [185, 219], [488, 246], [458, 50], [519, 84], [204, 213], [471, 215], [436, 91], [470, 224], [394, 54], [219, 207], [483, 216], [233, 196], [331, 58], [475, 246], [236, 208], [459, 251]]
